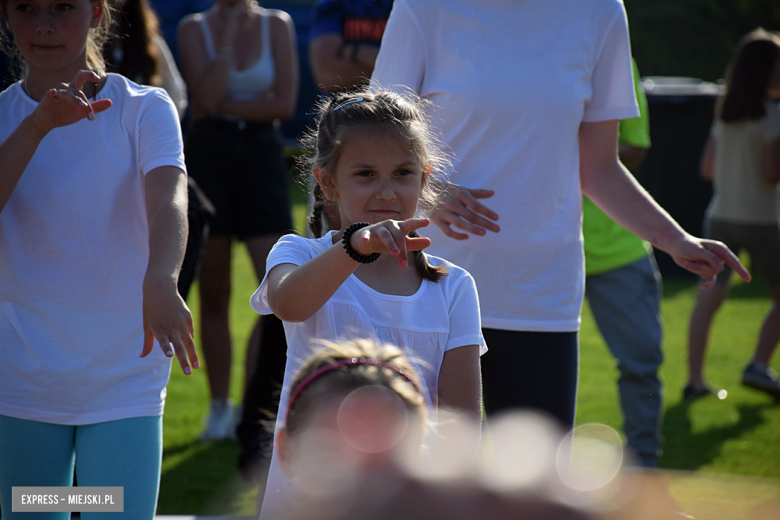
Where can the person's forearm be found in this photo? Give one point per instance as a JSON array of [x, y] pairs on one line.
[[16, 152], [621, 197], [301, 291], [167, 232]]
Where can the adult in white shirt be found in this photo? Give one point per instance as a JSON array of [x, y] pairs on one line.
[[528, 95]]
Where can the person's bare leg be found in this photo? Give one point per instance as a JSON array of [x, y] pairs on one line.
[[707, 303], [769, 336], [214, 286], [258, 248]]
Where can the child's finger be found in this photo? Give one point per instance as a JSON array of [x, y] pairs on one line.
[[189, 346], [181, 355], [417, 243], [388, 240], [148, 342], [412, 224], [82, 77]]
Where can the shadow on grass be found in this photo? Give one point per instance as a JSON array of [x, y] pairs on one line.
[[690, 451], [202, 483]]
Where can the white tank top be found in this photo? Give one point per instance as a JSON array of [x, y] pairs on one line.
[[251, 82]]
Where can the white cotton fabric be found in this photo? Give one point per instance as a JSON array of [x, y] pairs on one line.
[[440, 316], [74, 247], [742, 194], [512, 81]]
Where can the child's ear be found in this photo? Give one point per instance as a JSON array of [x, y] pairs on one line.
[[97, 13], [426, 173], [284, 450], [325, 181]]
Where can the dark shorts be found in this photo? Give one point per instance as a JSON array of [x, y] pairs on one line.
[[531, 370], [761, 241], [241, 169]]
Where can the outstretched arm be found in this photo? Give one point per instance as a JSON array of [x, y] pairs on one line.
[[60, 106], [607, 183], [166, 316], [296, 293]]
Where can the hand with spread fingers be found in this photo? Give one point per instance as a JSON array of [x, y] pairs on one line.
[[167, 319], [461, 209], [705, 258], [68, 104], [391, 236]]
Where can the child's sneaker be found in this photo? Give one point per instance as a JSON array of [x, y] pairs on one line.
[[220, 423], [762, 378]]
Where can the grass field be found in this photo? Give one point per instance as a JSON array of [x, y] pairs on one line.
[[735, 437]]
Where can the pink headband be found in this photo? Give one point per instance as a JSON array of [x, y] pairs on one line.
[[353, 362]]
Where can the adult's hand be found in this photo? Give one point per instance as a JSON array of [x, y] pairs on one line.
[[461, 208], [705, 258]]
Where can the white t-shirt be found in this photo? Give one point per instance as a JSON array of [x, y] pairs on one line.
[[440, 316], [742, 195], [512, 81], [74, 247]]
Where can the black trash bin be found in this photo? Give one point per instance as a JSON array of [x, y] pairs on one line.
[[681, 111]]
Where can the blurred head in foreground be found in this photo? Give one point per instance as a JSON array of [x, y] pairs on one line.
[[353, 406]]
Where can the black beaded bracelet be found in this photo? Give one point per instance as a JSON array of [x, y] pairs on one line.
[[354, 255]]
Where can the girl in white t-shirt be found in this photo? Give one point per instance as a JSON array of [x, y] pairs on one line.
[[742, 159], [92, 233], [373, 157]]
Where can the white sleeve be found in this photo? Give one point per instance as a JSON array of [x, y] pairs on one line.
[[290, 249], [612, 81], [465, 321], [401, 59], [159, 133]]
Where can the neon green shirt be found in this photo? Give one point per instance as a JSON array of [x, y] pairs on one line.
[[608, 245]]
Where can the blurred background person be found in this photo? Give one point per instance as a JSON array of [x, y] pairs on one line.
[[170, 13], [344, 41], [137, 51], [742, 159], [241, 67]]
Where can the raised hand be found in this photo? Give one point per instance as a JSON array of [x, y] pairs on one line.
[[67, 104], [167, 318], [462, 209], [391, 236], [705, 258]]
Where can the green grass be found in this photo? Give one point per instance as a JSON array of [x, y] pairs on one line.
[[738, 436]]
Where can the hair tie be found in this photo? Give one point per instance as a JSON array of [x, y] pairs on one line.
[[352, 362], [345, 103]]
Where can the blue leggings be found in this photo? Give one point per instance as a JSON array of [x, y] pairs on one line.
[[126, 453]]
